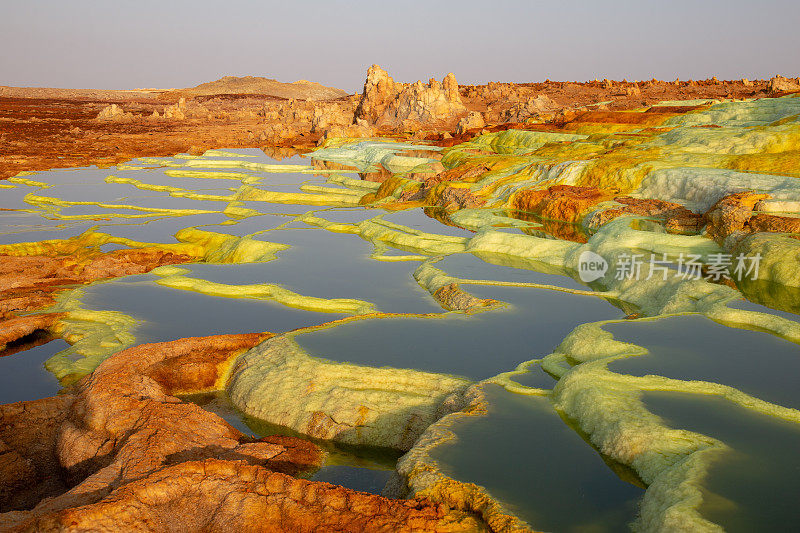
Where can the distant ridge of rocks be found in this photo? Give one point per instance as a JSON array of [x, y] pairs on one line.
[[242, 111]]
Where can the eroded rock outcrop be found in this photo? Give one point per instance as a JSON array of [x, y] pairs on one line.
[[738, 214], [115, 112], [472, 121], [533, 108], [731, 214], [779, 84], [388, 104]]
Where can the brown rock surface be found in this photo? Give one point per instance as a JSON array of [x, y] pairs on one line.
[[452, 297], [675, 216], [736, 213], [120, 452], [301, 89], [214, 495], [17, 328], [763, 222], [559, 202], [731, 214], [567, 203], [779, 84]]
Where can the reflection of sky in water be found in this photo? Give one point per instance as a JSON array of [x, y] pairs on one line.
[[525, 455], [170, 314], [15, 198], [476, 346], [60, 230], [523, 452], [349, 215], [792, 314], [417, 219], [356, 467], [695, 348], [535, 376], [329, 265], [158, 229], [249, 225], [469, 266], [755, 487], [280, 209], [23, 377]]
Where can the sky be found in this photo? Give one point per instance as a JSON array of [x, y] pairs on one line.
[[175, 43]]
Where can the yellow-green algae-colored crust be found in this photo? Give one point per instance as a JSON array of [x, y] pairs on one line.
[[672, 462], [278, 382], [265, 291], [693, 159], [680, 163], [369, 155], [247, 193], [378, 230], [94, 336], [97, 334], [780, 256]]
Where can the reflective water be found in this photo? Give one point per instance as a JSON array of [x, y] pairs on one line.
[[694, 347], [22, 373], [359, 468], [526, 455], [754, 487], [169, 314], [476, 346]]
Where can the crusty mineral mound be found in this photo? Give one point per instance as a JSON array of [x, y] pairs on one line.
[[559, 202], [674, 216]]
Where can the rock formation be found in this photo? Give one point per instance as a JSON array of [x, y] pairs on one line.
[[388, 104], [257, 112], [115, 112], [472, 121], [256, 85], [738, 214], [779, 84]]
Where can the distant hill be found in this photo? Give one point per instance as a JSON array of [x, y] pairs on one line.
[[302, 89]]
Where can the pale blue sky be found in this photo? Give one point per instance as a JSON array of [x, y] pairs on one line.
[[177, 43]]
